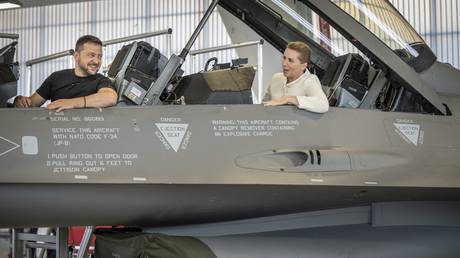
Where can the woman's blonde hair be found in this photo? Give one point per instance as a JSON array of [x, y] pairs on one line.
[[302, 48]]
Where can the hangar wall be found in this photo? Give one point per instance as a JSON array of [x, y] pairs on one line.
[[438, 23], [49, 29]]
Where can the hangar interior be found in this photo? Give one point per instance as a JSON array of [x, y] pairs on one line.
[[49, 27]]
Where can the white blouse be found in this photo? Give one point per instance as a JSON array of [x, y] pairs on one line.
[[307, 88]]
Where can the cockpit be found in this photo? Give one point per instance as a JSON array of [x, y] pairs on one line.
[[356, 65], [365, 54], [352, 71]]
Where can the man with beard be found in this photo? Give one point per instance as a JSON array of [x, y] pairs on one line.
[[81, 87], [296, 85]]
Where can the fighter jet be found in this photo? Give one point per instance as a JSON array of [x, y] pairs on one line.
[[390, 140]]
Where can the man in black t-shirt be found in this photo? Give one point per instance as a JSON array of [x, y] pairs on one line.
[[80, 87]]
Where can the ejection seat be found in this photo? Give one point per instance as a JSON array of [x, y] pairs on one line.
[[345, 81], [135, 67]]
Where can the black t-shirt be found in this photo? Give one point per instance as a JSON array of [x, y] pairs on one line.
[[65, 85]]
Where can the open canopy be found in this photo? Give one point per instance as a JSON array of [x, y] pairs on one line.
[[336, 27]]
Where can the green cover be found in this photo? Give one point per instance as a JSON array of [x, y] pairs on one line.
[[110, 244]]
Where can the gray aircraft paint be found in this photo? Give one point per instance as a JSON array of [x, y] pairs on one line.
[[239, 144], [127, 174]]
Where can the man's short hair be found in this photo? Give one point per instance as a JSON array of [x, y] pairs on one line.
[[303, 49], [86, 39]]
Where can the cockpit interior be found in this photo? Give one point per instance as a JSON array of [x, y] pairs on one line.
[[351, 75]]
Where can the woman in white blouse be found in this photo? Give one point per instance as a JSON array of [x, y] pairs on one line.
[[296, 85]]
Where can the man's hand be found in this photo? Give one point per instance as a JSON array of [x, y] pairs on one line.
[[25, 102], [22, 102], [62, 104], [282, 101]]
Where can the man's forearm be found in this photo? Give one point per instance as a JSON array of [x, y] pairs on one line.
[[100, 100]]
